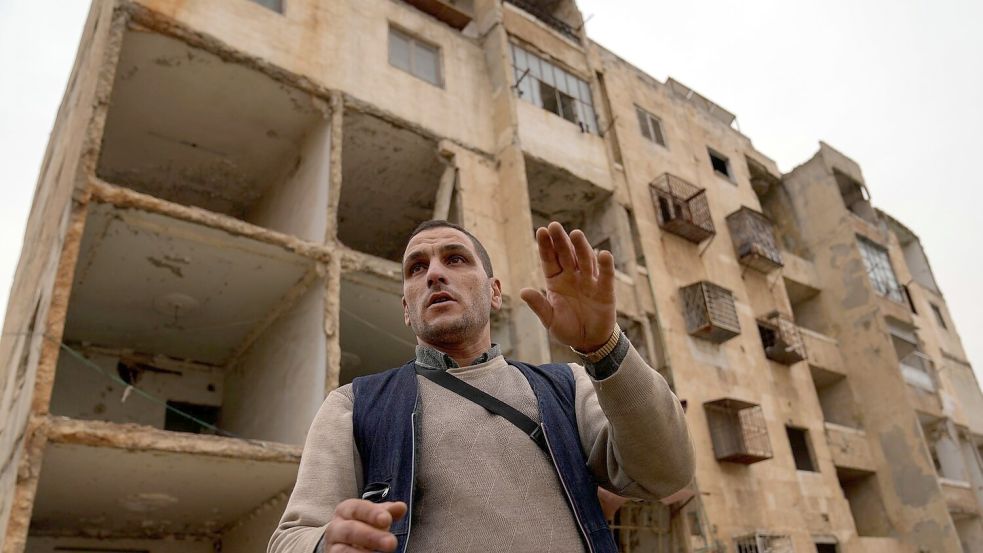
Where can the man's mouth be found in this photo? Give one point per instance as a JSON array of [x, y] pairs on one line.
[[438, 298]]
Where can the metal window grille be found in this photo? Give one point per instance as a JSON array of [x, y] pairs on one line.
[[754, 240], [781, 339], [738, 431], [556, 90], [763, 543], [682, 208], [879, 270], [643, 526], [710, 312]]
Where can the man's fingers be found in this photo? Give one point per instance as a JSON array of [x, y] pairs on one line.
[[563, 247], [547, 254], [585, 254], [376, 514], [605, 276], [355, 533], [539, 305], [396, 509]]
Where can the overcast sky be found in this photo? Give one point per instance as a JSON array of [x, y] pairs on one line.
[[895, 84]]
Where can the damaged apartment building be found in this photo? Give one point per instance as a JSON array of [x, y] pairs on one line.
[[214, 245]]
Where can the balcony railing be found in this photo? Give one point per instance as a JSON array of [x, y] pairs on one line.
[[710, 312], [546, 17], [754, 240], [763, 543], [738, 431], [781, 339], [682, 208]]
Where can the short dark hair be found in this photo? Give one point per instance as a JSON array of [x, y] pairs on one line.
[[440, 223]]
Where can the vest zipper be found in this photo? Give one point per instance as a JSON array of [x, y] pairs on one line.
[[573, 507], [409, 507]]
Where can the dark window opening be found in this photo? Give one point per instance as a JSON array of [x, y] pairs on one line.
[[827, 548], [720, 164], [798, 438], [911, 301], [275, 5], [557, 102], [176, 422]]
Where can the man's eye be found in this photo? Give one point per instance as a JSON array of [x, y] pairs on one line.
[[456, 259], [415, 268]]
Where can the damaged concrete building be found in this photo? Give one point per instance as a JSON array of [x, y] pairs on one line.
[[214, 240]]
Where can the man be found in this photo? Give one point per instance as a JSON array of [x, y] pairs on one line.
[[395, 461]]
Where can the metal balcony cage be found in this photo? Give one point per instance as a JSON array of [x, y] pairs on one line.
[[738, 431], [710, 312], [781, 339], [682, 208], [764, 543], [754, 240], [544, 15], [643, 526]]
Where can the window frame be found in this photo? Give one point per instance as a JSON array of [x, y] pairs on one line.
[[729, 175], [653, 126], [415, 43], [879, 267], [939, 316], [532, 73], [807, 442]]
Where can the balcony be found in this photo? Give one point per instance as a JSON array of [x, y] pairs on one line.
[[738, 431], [822, 351], [710, 312], [763, 543], [754, 240], [959, 498], [781, 339], [542, 13], [849, 447], [682, 208]]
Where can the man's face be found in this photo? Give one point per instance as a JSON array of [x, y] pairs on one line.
[[447, 297]]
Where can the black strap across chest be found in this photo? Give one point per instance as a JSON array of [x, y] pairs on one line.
[[494, 405]]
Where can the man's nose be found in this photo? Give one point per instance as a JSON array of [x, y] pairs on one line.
[[436, 274]]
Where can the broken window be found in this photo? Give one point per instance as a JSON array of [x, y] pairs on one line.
[[938, 316], [651, 126], [556, 90], [414, 56], [720, 164], [710, 312], [798, 440], [682, 208], [754, 240], [738, 430], [879, 269]]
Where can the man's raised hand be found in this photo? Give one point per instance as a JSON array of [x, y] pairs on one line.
[[578, 307], [361, 525]]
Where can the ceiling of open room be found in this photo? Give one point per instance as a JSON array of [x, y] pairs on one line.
[[373, 336], [556, 192], [389, 182], [121, 492], [159, 285], [187, 126]]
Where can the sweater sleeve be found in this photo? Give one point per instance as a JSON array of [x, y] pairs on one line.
[[328, 474], [633, 431]]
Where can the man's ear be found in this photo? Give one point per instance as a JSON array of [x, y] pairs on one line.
[[406, 311], [496, 294]]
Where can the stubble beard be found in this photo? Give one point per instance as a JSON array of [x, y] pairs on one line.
[[474, 319]]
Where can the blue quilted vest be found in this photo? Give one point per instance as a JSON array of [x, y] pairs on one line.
[[386, 428]]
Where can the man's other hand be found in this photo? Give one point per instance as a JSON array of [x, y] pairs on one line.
[[360, 525], [578, 307]]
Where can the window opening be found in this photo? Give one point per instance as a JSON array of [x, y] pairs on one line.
[[178, 423], [798, 438], [720, 164], [275, 5]]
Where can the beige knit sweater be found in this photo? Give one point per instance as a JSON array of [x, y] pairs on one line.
[[483, 485]]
